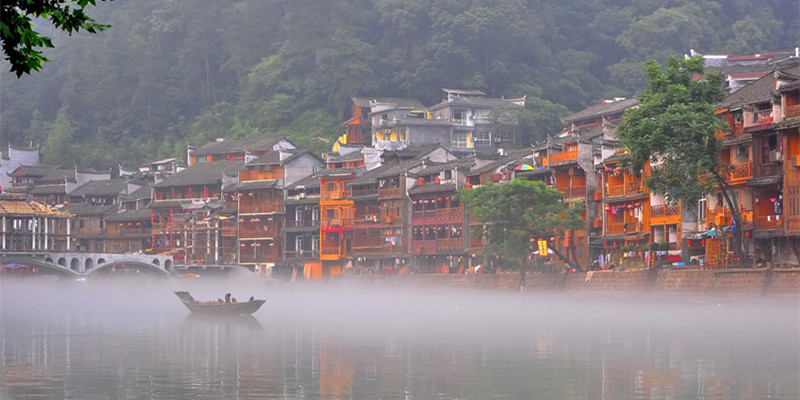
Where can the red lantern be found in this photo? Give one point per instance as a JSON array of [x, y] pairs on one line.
[[608, 208], [637, 205]]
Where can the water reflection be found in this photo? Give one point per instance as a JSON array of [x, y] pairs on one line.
[[125, 343]]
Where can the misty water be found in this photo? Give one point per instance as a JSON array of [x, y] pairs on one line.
[[89, 340]]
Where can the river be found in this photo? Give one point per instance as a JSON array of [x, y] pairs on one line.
[[88, 340]]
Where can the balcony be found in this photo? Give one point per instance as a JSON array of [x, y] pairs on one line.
[[258, 232], [450, 213], [301, 254], [138, 231], [791, 112], [362, 220], [624, 228], [741, 171], [424, 214], [259, 208], [423, 247], [388, 193], [364, 192], [229, 231], [395, 248], [367, 249], [664, 210], [770, 169], [634, 187], [615, 190], [769, 222], [337, 222], [333, 196], [761, 119], [303, 223], [564, 156], [449, 244]]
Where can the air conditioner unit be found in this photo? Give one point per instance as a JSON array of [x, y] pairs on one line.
[[775, 156]]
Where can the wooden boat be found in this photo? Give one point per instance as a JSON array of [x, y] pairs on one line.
[[217, 307]]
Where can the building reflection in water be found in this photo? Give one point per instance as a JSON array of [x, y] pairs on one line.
[[83, 356]]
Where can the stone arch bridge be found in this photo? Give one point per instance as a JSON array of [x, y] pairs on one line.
[[85, 264]]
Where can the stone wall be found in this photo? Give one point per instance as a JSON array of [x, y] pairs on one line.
[[693, 282]]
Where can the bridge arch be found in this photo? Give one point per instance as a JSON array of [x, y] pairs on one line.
[[60, 270], [62, 262], [101, 261], [49, 259], [88, 264], [168, 265], [131, 265], [156, 262], [75, 264]]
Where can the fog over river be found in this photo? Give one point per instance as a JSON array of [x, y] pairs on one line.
[[92, 340]]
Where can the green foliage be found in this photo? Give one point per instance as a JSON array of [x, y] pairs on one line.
[[675, 128], [22, 44], [515, 212], [170, 73]]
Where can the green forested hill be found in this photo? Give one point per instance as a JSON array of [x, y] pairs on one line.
[[173, 72]]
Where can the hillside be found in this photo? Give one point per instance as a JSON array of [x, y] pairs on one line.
[[169, 73]]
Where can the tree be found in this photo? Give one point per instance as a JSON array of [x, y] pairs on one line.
[[21, 42], [513, 213], [675, 129]]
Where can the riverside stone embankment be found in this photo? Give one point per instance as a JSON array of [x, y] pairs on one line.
[[670, 282]]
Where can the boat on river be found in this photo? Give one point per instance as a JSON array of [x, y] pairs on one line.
[[219, 307]]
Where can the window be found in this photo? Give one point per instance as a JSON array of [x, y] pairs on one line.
[[483, 138], [330, 187], [460, 140], [329, 214], [459, 114], [701, 209]]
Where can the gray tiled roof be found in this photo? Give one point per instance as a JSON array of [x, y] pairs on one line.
[[89, 209], [756, 92], [101, 188], [48, 189], [143, 192], [129, 215], [601, 110], [259, 184], [226, 146], [203, 174], [366, 101]]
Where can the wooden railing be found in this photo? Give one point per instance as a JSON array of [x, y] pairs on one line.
[[769, 221], [423, 247], [615, 228], [763, 117], [564, 156], [451, 243], [258, 233], [424, 214], [450, 213], [303, 223], [362, 220], [258, 207], [337, 195], [741, 171], [340, 222], [331, 250], [791, 111], [229, 231], [664, 210], [389, 192], [364, 192], [301, 253], [368, 249], [615, 190], [575, 192], [634, 187], [627, 228], [396, 248], [769, 169]]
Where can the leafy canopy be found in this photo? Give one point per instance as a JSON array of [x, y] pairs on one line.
[[515, 212], [21, 42], [674, 128]]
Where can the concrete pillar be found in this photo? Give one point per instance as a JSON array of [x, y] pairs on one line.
[[46, 231], [33, 233], [4, 233], [216, 244], [69, 237]]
